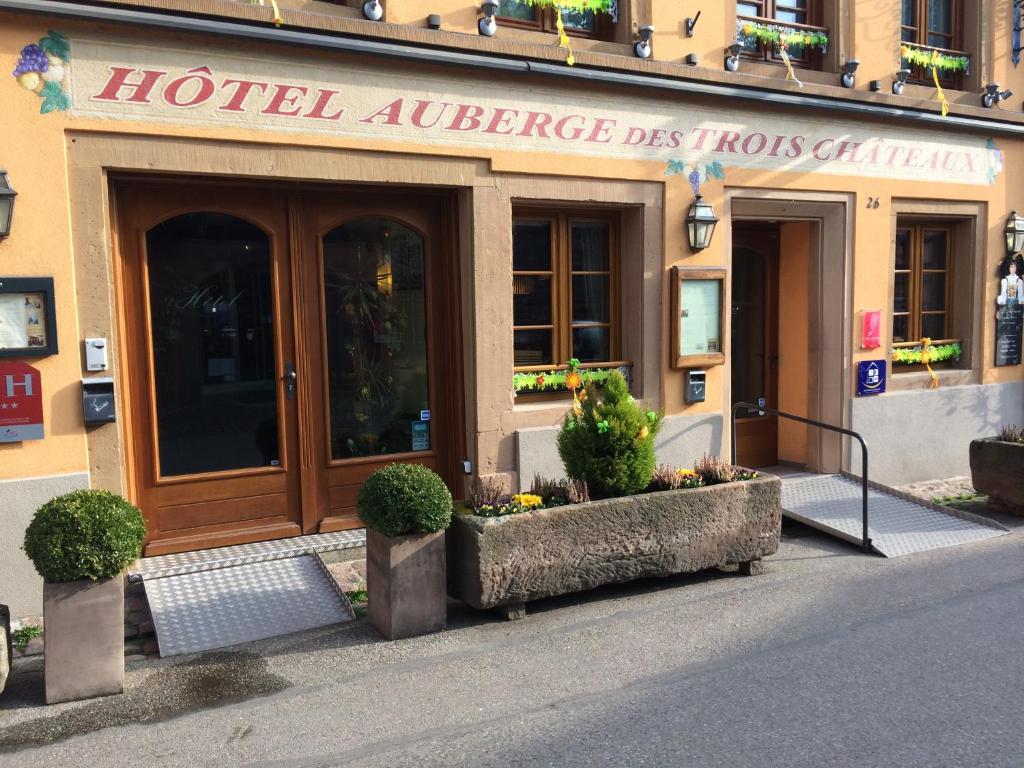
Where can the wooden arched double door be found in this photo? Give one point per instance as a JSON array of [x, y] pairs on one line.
[[279, 346]]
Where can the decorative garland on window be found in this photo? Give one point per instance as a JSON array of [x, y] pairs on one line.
[[594, 6], [930, 59], [937, 353], [563, 380], [781, 36]]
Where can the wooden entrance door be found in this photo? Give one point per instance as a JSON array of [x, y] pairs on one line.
[[210, 352], [384, 384], [281, 346], [755, 340]]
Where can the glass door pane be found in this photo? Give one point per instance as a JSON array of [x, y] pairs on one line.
[[213, 341], [376, 321]]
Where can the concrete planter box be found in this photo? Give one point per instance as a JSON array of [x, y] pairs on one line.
[[405, 583], [508, 561], [84, 639], [997, 470]]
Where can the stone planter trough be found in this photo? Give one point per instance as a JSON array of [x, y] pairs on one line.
[[997, 470], [504, 562], [405, 583], [84, 639]]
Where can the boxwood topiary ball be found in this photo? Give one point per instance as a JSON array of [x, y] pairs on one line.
[[84, 535], [400, 499]]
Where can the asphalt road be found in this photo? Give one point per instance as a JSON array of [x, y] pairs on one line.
[[831, 658]]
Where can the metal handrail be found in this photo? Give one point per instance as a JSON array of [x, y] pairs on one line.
[[761, 410]]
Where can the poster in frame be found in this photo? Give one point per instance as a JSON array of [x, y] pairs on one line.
[[28, 317]]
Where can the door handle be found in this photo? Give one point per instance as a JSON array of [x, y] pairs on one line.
[[291, 381]]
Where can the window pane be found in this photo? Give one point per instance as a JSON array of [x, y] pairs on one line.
[[901, 293], [935, 248], [516, 9], [903, 249], [940, 16], [589, 246], [213, 344], [590, 299], [591, 345], [900, 328], [908, 36], [375, 308], [748, 9], [531, 300], [532, 347], [909, 13], [940, 41], [933, 293], [933, 326], [585, 21], [531, 246]]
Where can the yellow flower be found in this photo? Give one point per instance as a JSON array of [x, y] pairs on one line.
[[687, 473], [573, 380], [643, 433], [528, 500]]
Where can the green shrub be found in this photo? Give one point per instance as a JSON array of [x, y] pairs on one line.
[[607, 441], [405, 498], [84, 535]]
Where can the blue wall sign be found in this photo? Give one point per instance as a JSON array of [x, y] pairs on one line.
[[870, 377]]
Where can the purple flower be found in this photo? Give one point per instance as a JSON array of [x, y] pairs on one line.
[[695, 181]]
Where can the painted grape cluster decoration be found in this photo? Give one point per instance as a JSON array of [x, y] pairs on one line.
[[696, 173], [41, 69]]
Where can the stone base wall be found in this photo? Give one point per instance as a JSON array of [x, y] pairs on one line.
[[21, 588], [681, 441], [925, 434]]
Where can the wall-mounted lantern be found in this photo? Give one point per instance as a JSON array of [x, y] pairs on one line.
[[992, 95], [373, 10], [700, 224], [732, 58], [900, 82], [487, 25], [1014, 233], [643, 48], [7, 195], [848, 77]]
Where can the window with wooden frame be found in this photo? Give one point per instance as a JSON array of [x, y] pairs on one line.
[[564, 288], [934, 25], [518, 13], [923, 282], [796, 14]]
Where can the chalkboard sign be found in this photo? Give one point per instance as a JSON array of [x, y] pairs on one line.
[[1008, 335]]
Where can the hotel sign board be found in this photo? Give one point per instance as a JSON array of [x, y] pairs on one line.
[[21, 403], [112, 80]]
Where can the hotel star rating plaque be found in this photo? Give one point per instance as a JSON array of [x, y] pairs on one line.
[[21, 403]]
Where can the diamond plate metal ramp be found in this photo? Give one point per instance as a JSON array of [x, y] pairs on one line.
[[203, 610], [898, 524]]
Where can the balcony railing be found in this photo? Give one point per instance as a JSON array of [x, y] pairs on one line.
[[951, 64], [763, 38]]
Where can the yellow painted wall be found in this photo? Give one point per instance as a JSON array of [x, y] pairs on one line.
[[33, 149]]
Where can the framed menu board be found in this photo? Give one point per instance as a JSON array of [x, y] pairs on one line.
[[28, 325], [698, 317]]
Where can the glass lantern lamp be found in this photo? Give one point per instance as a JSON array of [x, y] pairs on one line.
[[700, 224], [7, 195], [1014, 233]]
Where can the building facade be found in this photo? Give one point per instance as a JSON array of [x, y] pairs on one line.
[[250, 262]]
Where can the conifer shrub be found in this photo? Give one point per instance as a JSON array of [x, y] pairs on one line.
[[400, 499], [607, 440]]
